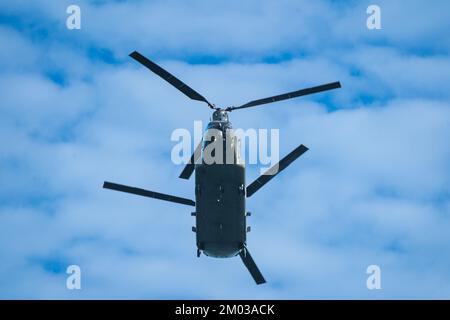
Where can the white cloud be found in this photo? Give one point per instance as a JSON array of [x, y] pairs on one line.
[[374, 187]]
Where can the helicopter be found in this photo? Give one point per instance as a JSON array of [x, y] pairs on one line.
[[220, 188]]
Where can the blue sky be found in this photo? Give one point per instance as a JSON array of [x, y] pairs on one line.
[[373, 189]]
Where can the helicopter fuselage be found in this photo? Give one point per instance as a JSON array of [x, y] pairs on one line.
[[220, 192]]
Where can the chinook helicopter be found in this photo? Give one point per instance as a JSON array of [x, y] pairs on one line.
[[220, 187]]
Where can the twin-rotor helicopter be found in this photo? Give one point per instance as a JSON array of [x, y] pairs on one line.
[[220, 187]]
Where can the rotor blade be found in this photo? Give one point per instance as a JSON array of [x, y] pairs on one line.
[[289, 95], [147, 193], [190, 166], [276, 169], [251, 266], [170, 78]]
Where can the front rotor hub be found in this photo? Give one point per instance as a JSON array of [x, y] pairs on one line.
[[220, 115]]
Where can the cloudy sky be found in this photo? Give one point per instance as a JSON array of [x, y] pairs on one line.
[[76, 110]]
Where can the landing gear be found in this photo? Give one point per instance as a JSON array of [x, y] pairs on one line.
[[198, 253]]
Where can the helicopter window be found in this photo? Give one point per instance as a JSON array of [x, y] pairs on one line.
[[207, 142], [213, 152]]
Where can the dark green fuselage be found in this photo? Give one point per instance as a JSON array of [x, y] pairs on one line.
[[220, 200], [220, 209]]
